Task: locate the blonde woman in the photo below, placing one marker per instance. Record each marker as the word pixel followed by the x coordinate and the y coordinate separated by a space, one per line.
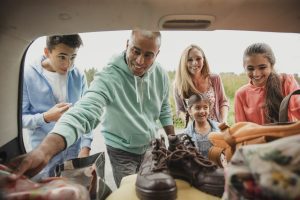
pixel 193 77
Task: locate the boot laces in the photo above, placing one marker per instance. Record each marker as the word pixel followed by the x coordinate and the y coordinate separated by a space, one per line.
pixel 186 149
pixel 160 154
pixel 191 153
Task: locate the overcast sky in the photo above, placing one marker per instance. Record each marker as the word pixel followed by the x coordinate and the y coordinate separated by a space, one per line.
pixel 223 49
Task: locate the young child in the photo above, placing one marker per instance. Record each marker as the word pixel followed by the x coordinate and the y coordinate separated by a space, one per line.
pixel 199 110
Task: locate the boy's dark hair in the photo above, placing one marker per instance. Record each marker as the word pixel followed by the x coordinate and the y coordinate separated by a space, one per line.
pixel 73 41
pixel 191 101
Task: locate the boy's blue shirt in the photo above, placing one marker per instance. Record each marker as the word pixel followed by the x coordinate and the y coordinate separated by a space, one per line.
pixel 38 97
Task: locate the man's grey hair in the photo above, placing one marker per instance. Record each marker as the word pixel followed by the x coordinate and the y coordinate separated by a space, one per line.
pixel 149 34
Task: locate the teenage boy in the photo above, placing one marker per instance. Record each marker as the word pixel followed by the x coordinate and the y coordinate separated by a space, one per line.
pixel 52 84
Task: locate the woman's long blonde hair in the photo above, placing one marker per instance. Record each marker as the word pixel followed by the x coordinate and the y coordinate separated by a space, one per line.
pixel 183 79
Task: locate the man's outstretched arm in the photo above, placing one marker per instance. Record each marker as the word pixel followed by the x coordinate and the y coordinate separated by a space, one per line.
pixel 33 162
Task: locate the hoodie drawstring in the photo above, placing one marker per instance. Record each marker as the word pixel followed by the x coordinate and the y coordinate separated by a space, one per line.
pixel 136 90
pixel 148 90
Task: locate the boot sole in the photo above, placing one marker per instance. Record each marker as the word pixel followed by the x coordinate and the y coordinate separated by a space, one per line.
pixel 144 194
pixel 215 190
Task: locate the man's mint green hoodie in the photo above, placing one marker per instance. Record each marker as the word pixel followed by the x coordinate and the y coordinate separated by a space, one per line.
pixel 129 107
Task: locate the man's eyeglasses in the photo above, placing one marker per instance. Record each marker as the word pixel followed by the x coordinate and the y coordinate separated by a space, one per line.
pixel 137 52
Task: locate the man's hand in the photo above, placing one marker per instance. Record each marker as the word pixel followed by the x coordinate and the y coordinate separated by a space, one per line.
pixel 54 113
pixel 33 162
pixel 29 164
pixel 84 152
pixel 169 130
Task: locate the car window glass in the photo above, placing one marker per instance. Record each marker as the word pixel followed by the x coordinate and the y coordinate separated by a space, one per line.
pixel 223 49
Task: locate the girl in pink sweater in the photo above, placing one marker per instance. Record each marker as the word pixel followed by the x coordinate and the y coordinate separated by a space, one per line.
pixel 259 100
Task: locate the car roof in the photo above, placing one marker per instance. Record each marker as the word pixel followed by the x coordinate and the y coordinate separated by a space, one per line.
pixel 23 21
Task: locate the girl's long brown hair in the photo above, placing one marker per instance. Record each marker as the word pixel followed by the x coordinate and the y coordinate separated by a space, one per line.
pixel 274 93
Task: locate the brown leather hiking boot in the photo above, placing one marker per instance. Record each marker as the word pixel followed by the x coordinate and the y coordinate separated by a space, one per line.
pixel 185 162
pixel 153 179
pixel 180 141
